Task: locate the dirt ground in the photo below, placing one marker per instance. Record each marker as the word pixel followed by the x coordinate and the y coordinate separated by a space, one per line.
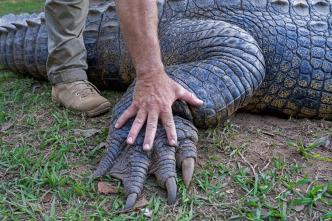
pixel 245 147
pixel 260 141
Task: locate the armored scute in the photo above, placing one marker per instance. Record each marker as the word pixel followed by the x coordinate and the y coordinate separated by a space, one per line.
pixel 267 56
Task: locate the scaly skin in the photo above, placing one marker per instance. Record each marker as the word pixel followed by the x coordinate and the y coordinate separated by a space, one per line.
pixel 219 103
pixel 270 56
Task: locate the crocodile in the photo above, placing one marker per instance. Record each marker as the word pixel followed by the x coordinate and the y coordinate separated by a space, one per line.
pixel 262 56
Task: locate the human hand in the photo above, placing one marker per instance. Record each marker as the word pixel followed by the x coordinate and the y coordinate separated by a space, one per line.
pixel 153 97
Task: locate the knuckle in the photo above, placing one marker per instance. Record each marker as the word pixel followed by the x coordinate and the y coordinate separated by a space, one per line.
pixel 189 95
pixel 165 106
pixel 169 123
pixel 135 104
pixel 138 121
pixel 153 106
pixel 167 111
pixel 153 118
pixel 152 125
pixel 127 113
pixel 181 92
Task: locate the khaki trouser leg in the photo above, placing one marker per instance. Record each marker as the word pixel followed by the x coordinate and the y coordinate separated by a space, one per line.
pixel 65 21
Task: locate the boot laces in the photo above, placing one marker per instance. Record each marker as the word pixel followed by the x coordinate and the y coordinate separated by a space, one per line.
pixel 86 88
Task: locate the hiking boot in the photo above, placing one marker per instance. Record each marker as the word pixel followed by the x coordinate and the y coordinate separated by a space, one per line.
pixel 81 96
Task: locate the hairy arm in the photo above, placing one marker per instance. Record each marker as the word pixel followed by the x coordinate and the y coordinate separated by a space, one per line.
pixel 154 91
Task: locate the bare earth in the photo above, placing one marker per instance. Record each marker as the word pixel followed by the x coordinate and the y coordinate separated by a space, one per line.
pixel 262 140
pixel 231 157
pixel 237 161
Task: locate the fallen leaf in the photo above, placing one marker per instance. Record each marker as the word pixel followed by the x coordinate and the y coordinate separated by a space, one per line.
pixel 9 102
pixel 6 127
pixel 87 133
pixel 106 188
pixel 141 203
pixel 73 150
pixel 91 132
pixel 47 198
pixel 298 208
pixel 90 147
pixel 76 132
pixel 36 207
pixel 38 117
pixel 18 145
pixel 230 191
pixel 101 145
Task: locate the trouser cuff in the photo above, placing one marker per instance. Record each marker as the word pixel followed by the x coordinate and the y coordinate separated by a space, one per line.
pixel 67 76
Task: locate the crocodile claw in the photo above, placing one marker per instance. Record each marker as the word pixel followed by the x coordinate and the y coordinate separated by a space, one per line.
pixel 171 190
pixel 131 199
pixel 132 164
pixel 188 166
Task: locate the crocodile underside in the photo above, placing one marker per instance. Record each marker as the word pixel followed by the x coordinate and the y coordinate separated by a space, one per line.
pixel 268 56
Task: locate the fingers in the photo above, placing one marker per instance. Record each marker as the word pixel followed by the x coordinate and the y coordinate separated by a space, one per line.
pixel 189 97
pixel 168 122
pixel 151 128
pixel 129 113
pixel 137 126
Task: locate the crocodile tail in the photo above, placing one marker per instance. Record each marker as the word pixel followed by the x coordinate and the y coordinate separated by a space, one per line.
pixel 24 47
pixel 30 48
pixel 3 37
pixel 18 46
pixel 41 51
pixel 221 63
pixel 16 32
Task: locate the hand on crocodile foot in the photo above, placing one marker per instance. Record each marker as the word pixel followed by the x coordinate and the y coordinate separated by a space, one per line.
pixel 132 163
pixel 152 99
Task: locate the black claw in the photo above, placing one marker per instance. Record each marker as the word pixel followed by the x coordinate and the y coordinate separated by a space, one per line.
pixel 171 190
pixel 131 199
pixel 91 176
pixel 188 166
pixel 95 174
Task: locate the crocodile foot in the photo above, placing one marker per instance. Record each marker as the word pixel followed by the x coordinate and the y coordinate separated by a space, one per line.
pixel 131 164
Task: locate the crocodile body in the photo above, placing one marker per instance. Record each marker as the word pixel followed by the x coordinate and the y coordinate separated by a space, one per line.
pixel 268 56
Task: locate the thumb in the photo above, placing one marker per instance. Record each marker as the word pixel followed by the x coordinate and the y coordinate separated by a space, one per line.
pixel 189 97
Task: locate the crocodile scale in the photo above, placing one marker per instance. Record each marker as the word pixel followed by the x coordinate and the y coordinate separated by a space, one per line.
pixel 263 56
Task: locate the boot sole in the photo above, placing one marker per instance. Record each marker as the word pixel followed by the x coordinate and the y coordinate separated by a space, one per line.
pixel 104 107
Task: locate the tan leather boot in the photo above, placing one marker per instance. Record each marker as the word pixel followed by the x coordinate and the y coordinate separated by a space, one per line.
pixel 81 96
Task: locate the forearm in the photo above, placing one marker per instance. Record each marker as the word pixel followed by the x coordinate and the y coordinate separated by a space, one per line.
pixel 139 26
pixel 154 95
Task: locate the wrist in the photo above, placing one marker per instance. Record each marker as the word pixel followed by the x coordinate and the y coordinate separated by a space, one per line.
pixel 147 69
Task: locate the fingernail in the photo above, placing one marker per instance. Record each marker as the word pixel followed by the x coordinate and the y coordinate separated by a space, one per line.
pixel 116 125
pixel 173 143
pixel 200 101
pixel 146 147
pixel 130 140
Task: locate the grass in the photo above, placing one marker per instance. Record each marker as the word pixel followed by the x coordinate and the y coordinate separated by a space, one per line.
pixel 44 163
pixel 21 6
pixel 244 171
